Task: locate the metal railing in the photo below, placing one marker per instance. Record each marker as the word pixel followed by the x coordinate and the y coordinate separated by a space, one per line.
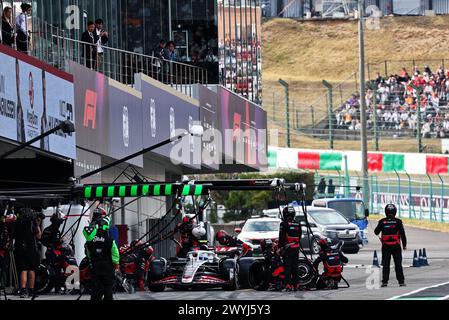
pixel 424 197
pixel 50 45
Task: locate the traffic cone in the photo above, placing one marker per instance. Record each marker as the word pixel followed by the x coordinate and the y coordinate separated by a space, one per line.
pixel 421 262
pixel 375 260
pixel 424 261
pixel 416 262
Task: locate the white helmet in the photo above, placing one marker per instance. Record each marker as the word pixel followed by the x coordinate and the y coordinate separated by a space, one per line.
pixel 199 232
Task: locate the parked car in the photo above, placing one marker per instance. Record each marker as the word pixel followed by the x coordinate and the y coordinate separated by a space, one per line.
pixel 257 229
pixel 331 224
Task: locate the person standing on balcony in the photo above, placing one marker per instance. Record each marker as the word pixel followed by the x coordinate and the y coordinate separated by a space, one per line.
pixel 170 52
pixel 102 39
pixel 7 27
pixel 22 28
pixel 89 48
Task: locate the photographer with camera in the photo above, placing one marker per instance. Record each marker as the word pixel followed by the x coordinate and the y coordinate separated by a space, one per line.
pixel 27 232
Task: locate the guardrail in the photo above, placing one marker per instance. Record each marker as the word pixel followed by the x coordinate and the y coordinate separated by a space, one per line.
pixel 50 44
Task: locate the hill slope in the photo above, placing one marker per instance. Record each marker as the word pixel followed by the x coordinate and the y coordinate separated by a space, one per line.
pixel 306 52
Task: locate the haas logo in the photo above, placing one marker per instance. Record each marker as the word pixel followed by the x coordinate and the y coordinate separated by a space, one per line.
pixel 90 109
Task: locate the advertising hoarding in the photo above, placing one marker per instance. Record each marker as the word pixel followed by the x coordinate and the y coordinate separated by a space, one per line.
pixel 242 125
pixel 8 97
pixel 210 117
pixel 125 122
pixel 166 113
pixel 28 109
pixel 59 106
pixel 91 109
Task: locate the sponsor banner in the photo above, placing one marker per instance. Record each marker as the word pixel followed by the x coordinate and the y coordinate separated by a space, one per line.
pixel 30 102
pixel 59 106
pixel 35 98
pixel 167 113
pixel 246 143
pixel 125 122
pixel 210 117
pixel 91 109
pixel 416 206
pixel 8 97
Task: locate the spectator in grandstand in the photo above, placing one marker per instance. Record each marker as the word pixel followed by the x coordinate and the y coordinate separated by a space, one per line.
pixel 7 27
pixel 22 28
pixel 426 130
pixel 89 50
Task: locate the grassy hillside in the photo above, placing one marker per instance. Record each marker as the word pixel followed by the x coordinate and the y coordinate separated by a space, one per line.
pixel 305 53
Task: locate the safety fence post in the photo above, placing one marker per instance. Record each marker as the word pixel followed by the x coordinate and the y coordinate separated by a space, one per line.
pixel 442 199
pixel 410 200
pixel 431 197
pixel 287 110
pixel 399 192
pixel 371 208
pixel 347 180
pixel 330 113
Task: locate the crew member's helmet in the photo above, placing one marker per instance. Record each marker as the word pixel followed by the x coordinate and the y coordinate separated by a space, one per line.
pixel 56 219
pixel 391 210
pixel 222 237
pixel 325 243
pixel 98 214
pixel 288 213
pixel 199 232
pixel 149 251
pixel 135 244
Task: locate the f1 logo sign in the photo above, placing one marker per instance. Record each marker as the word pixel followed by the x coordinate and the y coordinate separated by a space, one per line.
pixel 90 109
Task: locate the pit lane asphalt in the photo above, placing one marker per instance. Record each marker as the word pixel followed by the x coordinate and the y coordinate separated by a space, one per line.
pixel 437 247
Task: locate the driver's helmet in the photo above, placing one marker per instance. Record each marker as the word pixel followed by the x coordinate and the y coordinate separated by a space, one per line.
pixel 288 213
pixel 222 237
pixel 199 232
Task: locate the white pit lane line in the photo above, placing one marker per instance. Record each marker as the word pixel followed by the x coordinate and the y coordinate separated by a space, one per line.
pixel 419 290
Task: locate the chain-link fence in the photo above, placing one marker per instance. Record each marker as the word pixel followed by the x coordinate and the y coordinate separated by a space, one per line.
pixel 422 197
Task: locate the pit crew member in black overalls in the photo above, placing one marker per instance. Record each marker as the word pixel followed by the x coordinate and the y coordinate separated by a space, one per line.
pixel 393 234
pixel 289 241
pixel 332 263
pixel 188 241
